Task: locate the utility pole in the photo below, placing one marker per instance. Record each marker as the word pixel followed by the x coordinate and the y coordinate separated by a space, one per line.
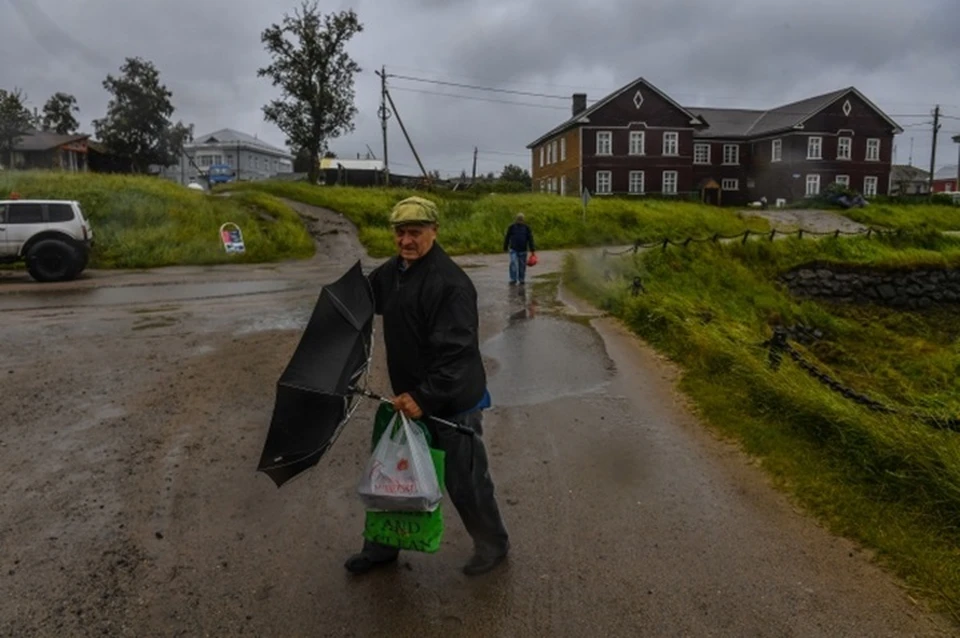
pixel 474 178
pixel 404 129
pixel 933 151
pixel 384 114
pixel 910 161
pixel 956 139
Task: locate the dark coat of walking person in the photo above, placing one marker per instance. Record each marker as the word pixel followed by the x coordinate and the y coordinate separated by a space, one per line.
pixel 431 332
pixel 518 239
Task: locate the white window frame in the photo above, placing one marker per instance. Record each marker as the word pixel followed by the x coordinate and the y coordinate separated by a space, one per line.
pixel 697 159
pixel 814 145
pixel 563 182
pixel 727 148
pixel 638 143
pixel 605 178
pixel 730 184
pixel 663 184
pixel 870 191
pixel 873 144
pixel 843 180
pixel 542 153
pixel 815 180
pixel 604 141
pixel 776 150
pixel 671 143
pixel 636 176
pixel 556 155
pixel 844 143
pixel 563 149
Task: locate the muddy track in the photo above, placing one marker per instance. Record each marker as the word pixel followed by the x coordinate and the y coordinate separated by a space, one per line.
pixel 132 507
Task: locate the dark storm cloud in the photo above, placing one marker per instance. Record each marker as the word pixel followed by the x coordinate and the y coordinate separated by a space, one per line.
pixel 751 53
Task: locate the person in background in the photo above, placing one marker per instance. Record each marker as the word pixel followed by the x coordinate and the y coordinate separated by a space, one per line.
pixel 431 331
pixel 519 237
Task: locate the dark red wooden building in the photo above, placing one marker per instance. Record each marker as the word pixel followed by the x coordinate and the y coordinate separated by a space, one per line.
pixel 639 141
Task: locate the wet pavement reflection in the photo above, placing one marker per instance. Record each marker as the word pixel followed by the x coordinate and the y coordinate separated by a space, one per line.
pixel 541 356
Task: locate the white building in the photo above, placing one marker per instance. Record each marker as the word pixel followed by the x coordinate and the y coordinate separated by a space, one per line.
pixel 249 157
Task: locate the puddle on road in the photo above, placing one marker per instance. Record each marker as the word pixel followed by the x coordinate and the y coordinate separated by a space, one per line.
pixel 122 295
pixel 542 358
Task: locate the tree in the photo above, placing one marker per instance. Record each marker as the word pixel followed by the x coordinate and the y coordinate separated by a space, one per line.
pixel 15 121
pixel 137 125
pixel 329 155
pixel 513 173
pixel 315 75
pixel 58 114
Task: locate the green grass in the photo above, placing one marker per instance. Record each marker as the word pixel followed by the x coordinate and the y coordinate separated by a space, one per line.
pixel 146 222
pixel 892 483
pixel 908 216
pixel 471 224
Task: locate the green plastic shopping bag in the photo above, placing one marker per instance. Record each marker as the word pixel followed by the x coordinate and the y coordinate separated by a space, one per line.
pixel 416 531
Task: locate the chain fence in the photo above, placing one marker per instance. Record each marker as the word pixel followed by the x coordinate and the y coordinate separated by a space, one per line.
pixel 779 343
pixel 745 236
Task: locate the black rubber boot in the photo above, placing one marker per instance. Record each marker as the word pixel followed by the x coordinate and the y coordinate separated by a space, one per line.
pixel 362 563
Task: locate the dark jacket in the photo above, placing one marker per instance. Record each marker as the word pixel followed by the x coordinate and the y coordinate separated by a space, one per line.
pixel 518 237
pixel 431 326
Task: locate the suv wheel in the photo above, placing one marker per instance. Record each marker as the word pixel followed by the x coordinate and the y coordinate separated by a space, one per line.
pixel 52 260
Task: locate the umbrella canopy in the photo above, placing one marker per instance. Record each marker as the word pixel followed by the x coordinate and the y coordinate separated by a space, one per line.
pixel 314 397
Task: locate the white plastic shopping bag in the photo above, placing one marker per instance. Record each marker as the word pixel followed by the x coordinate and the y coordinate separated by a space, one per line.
pixel 400 476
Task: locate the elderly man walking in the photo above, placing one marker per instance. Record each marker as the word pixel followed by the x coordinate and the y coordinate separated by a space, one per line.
pixel 519 237
pixel 431 326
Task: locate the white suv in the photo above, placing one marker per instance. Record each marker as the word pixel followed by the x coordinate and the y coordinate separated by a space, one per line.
pixel 52 236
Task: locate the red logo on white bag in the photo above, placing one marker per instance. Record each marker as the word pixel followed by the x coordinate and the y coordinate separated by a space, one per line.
pixel 402 465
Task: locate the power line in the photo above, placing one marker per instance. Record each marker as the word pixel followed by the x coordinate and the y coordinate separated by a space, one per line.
pixel 482 152
pixel 480 88
pixel 480 99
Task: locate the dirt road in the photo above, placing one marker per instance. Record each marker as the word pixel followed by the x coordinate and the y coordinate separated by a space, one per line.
pixel 134 408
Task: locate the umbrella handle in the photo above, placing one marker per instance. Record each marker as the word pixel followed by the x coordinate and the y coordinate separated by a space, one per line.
pixel 371 395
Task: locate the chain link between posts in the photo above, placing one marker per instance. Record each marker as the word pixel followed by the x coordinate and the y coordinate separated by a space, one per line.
pixel 779 344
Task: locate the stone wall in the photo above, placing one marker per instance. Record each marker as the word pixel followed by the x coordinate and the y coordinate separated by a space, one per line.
pixel 912 289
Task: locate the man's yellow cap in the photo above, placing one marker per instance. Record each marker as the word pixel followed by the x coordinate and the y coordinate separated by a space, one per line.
pixel 414 210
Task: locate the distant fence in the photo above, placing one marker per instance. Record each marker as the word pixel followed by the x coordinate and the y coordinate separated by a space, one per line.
pixel 745 236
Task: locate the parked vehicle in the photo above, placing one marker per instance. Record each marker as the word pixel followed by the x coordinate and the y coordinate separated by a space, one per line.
pixel 51 236
pixel 220 174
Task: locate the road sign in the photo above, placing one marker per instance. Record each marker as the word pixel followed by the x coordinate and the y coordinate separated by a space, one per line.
pixel 232 238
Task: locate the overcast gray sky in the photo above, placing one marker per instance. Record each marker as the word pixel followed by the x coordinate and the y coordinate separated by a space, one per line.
pixel 903 54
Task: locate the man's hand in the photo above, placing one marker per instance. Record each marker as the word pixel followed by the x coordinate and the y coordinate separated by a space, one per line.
pixel 405 403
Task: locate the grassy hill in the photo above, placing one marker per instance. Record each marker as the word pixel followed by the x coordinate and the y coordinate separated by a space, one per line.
pixel 144 222
pixel 477 223
pixel 942 217
pixel 890 482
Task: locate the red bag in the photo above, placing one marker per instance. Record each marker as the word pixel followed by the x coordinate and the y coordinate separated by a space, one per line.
pixel 532 259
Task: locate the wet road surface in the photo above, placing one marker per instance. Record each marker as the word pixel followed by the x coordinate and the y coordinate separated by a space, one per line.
pixel 133 424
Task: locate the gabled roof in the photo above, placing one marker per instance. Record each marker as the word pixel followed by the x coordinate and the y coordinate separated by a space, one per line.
pixel 583 118
pixel 902 173
pixel 46 140
pixel 726 122
pixel 753 123
pixel 946 172
pixel 228 136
